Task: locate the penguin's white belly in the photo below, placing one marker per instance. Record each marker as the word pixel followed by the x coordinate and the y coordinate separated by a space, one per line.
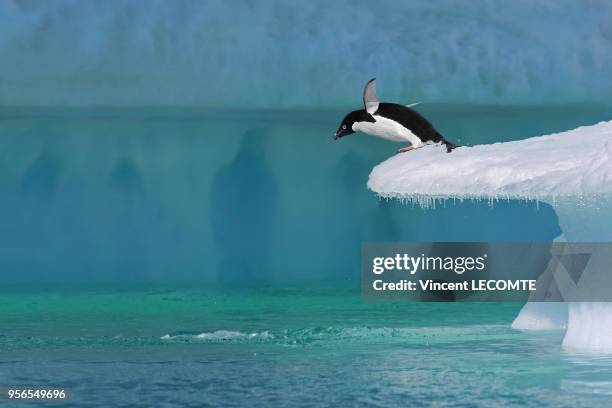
pixel 388 129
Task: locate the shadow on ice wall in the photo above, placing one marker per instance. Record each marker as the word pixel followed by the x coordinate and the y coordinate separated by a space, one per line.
pixel 224 202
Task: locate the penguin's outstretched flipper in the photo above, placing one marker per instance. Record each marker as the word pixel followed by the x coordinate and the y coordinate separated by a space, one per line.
pixel 370 100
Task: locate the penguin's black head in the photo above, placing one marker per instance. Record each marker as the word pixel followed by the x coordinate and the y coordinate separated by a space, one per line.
pixel 346 127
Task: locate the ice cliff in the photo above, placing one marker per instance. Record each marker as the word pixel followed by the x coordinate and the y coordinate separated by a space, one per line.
pixel 577 163
pixel 571 170
pixel 302 54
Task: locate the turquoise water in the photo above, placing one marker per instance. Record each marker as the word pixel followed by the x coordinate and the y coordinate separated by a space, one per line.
pixel 107 216
pixel 143 347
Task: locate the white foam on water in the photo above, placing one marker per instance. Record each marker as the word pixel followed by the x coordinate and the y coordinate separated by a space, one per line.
pixel 219 335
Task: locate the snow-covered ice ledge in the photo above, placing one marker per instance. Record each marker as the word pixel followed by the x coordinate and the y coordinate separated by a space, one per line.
pixel 577 163
pixel 571 170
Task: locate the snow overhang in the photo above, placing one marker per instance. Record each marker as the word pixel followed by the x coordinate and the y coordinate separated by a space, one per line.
pixel 576 163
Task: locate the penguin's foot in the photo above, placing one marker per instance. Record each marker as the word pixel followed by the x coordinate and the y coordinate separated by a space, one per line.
pixel 406 149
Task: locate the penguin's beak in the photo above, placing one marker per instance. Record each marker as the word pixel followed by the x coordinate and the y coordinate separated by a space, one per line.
pixel 336 136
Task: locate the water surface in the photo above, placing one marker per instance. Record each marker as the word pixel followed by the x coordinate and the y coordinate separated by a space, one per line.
pixel 278 347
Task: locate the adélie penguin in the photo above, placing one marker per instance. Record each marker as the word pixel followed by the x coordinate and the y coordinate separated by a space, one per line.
pixel 391 121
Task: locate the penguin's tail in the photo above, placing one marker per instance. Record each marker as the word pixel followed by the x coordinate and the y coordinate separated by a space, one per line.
pixel 449 146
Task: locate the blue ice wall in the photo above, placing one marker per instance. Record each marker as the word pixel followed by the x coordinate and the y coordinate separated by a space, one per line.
pixel 233 198
pixel 283 54
pixel 208 156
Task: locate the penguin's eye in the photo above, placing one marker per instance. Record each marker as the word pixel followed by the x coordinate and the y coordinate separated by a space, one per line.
pixel 343 126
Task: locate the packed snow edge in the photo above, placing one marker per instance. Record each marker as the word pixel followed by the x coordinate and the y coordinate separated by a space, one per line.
pixel 575 163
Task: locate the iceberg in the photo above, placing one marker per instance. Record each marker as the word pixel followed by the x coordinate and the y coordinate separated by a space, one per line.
pixel 572 171
pixel 158 53
pixel 569 164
